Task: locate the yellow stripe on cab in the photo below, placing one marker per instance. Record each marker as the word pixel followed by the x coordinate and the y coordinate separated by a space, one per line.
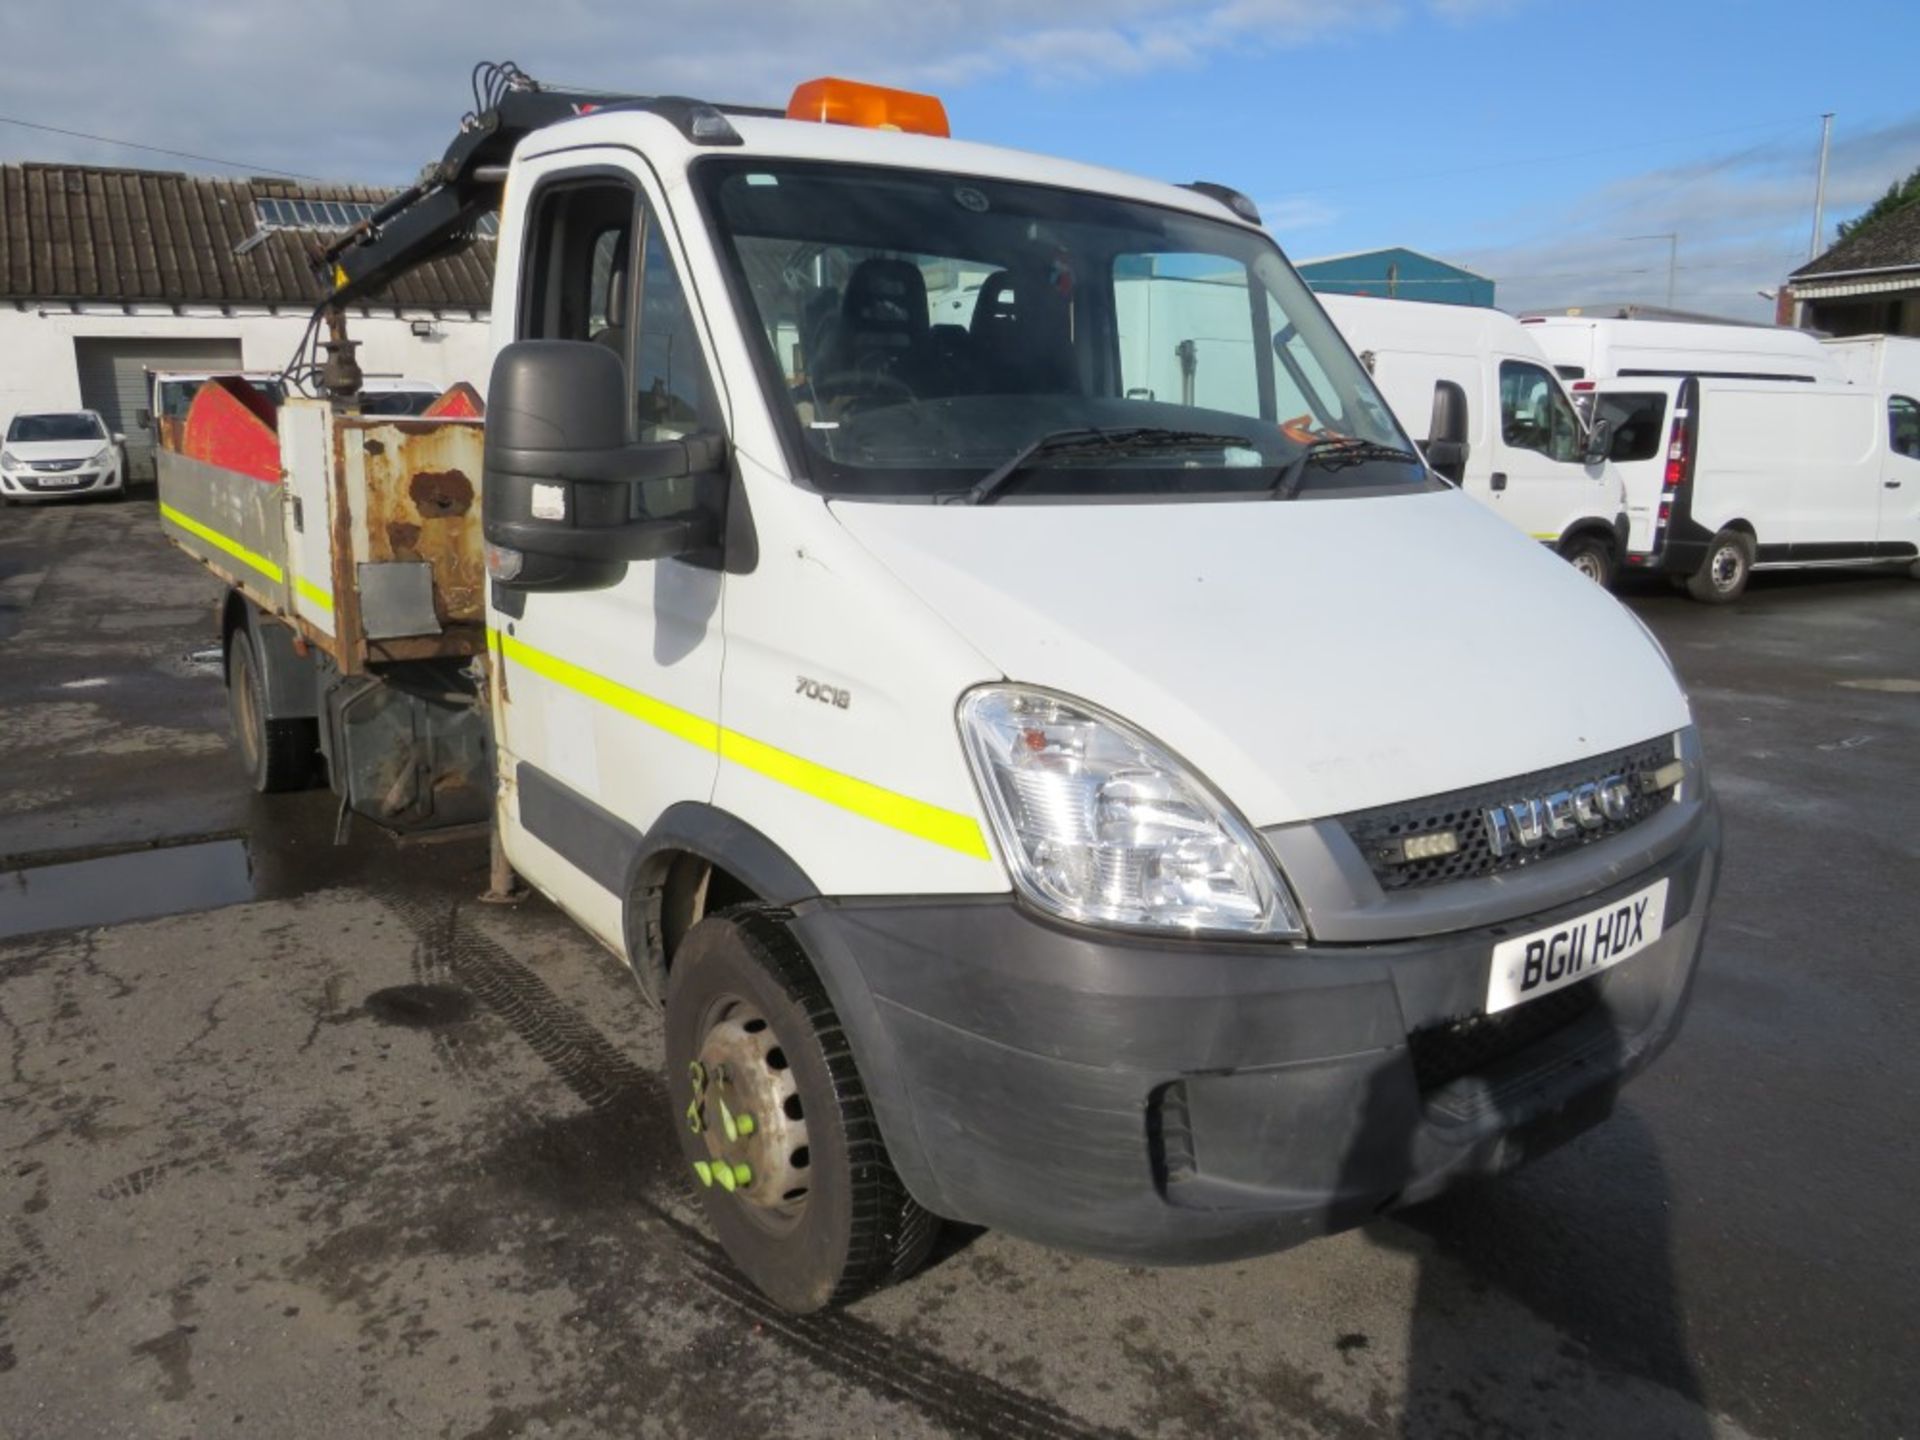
pixel 947 828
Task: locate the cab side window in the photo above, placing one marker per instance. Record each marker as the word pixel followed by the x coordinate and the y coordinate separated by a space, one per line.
pixel 577 264
pixel 599 270
pixel 1903 424
pixel 1535 414
pixel 673 390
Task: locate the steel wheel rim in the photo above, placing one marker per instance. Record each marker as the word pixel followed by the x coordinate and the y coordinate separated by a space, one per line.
pixel 1727 565
pixel 747 1110
pixel 1588 564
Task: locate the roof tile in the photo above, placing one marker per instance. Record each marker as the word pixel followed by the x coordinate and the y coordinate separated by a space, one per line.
pixel 71 232
pixel 1888 243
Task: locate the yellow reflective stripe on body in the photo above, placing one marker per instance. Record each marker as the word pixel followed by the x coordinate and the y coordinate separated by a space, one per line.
pixel 220 542
pixel 1547 539
pixel 657 713
pixel 898 812
pixel 914 817
pixel 313 594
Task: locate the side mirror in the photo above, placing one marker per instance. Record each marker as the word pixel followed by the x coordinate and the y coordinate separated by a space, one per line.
pixel 1599 441
pixel 118 438
pixel 568 501
pixel 1446 448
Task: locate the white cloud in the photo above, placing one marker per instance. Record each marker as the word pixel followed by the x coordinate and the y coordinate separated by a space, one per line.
pixel 1743 219
pixel 368 90
pixel 1292 213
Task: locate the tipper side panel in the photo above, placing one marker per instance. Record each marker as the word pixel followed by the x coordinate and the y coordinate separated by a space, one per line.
pixel 230 519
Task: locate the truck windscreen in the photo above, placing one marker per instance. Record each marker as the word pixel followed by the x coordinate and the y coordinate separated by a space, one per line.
pixel 922 328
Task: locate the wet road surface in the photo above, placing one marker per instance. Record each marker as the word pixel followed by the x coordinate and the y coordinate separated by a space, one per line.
pixel 327 1147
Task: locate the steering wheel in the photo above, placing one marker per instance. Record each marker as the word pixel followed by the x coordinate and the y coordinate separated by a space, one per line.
pixel 856 390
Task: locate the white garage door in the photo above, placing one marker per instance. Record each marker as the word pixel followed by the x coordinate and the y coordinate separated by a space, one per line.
pixel 113 380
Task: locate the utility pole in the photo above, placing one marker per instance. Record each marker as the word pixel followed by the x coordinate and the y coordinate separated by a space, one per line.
pixel 1820 187
pixel 1673 257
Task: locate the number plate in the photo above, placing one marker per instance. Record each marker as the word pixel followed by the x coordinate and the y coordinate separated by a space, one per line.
pixel 1528 966
pixel 53 482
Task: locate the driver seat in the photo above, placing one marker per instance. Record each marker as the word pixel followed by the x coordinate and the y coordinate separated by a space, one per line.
pixel 883 327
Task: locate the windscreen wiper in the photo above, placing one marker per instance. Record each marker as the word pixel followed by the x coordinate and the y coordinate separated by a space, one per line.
pixel 1134 440
pixel 1331 452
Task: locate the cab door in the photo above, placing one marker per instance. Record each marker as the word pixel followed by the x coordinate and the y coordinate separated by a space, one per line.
pixel 1900 478
pixel 1539 480
pixel 608 698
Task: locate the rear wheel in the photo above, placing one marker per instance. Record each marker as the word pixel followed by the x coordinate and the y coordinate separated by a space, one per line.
pixel 774 1119
pixel 1723 575
pixel 278 754
pixel 1592 557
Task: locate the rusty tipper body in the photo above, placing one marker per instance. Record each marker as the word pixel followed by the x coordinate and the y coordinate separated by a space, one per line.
pixel 361 536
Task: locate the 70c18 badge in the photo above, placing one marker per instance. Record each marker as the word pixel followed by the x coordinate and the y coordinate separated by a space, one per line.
pixel 819 690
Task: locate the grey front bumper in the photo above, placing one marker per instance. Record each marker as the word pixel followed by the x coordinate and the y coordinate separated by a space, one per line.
pixel 1166 1102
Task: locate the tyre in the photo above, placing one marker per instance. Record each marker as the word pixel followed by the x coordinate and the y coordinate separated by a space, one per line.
pixel 1592 557
pixel 774 1120
pixel 1723 575
pixel 278 754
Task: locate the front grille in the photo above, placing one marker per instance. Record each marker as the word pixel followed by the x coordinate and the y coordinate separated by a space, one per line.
pixel 1443 1053
pixel 1378 832
pixel 56 467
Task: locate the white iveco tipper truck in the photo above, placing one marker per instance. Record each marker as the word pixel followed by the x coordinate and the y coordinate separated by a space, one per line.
pixel 1168 826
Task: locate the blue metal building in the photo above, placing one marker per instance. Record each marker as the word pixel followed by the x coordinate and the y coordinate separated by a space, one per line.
pixel 1398 272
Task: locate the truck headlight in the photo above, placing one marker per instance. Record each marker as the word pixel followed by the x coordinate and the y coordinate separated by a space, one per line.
pixel 1099 823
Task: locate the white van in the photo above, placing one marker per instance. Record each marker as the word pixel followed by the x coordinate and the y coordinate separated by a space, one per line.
pixel 1887 363
pixel 1491 416
pixel 1725 477
pixel 1587 348
pixel 1165 829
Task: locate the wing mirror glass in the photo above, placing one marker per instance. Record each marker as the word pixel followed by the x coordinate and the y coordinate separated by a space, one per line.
pixel 1446 448
pixel 1599 441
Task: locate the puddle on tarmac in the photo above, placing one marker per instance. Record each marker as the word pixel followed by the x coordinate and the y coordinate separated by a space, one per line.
pixel 133 885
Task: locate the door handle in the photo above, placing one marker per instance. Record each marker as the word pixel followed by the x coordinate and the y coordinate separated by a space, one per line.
pixel 1893 484
pixel 1499 479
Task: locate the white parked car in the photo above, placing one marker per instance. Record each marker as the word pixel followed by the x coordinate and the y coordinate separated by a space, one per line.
pixel 396 395
pixel 60 453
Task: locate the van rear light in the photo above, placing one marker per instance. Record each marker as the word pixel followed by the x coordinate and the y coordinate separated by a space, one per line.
pixel 1676 453
pixel 1583 385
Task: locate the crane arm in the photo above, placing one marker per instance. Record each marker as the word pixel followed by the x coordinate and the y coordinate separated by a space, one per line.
pixel 439 212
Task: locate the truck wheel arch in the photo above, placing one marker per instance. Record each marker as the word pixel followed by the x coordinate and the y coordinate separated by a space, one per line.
pixel 696 859
pixel 1589 535
pixel 290 679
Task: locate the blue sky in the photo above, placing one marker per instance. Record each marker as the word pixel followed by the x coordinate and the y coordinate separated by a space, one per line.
pixel 1527 138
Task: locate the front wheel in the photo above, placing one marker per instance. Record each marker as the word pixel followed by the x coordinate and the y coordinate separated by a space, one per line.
pixel 774 1119
pixel 1592 558
pixel 1723 575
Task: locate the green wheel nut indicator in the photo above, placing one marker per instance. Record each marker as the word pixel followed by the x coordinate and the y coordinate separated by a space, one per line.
pixel 704 1171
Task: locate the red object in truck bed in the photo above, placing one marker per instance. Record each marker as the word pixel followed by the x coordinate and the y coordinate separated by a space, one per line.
pixel 232 425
